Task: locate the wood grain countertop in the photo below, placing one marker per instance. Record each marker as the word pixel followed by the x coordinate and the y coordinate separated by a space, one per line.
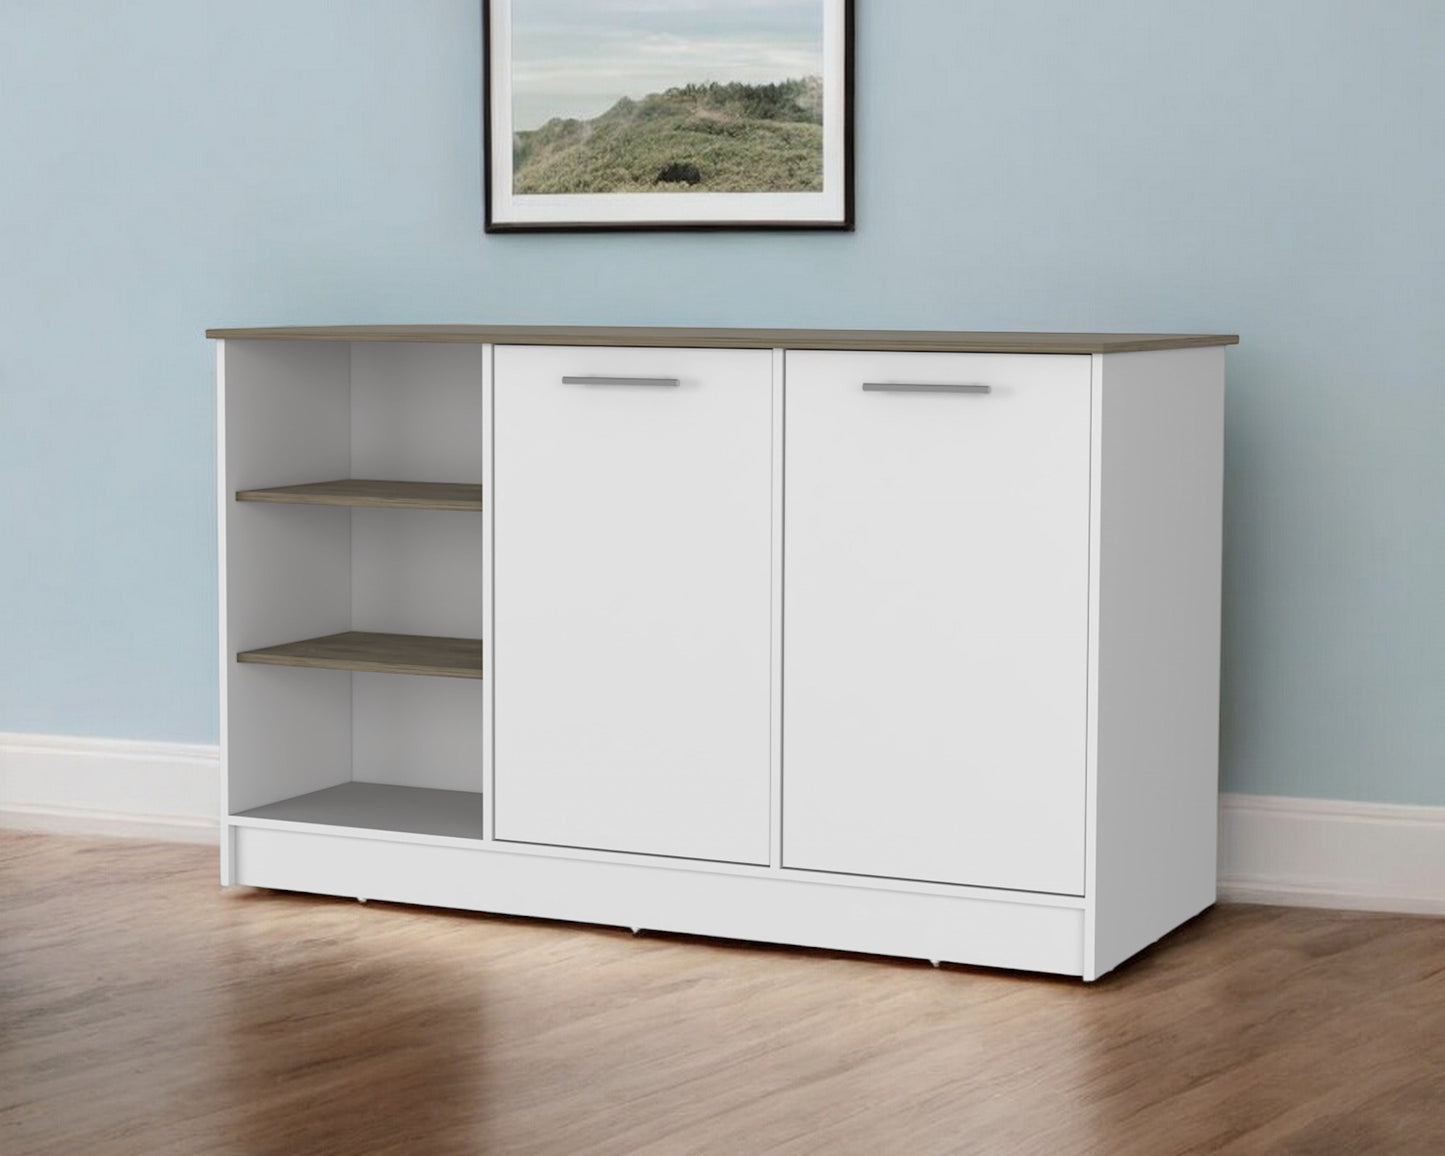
pixel 889 340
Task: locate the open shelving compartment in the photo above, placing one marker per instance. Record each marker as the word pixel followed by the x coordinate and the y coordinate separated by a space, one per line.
pixel 353 555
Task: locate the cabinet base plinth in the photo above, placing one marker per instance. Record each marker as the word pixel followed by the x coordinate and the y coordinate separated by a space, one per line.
pixel 772 908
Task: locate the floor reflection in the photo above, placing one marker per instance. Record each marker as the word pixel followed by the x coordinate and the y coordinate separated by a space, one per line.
pixel 329 1047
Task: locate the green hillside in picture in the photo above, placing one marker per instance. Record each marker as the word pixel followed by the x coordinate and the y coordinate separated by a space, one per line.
pixel 716 138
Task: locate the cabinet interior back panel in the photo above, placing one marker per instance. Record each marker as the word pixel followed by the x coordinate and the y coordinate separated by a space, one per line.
pixel 416 571
pixel 416 412
pixel 935 626
pixel 416 415
pixel 416 732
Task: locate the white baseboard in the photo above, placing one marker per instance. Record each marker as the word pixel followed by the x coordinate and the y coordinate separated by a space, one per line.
pixel 84 786
pixel 1295 852
pixel 1328 853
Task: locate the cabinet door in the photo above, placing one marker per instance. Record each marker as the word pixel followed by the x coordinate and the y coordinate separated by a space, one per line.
pixel 631 650
pixel 936 564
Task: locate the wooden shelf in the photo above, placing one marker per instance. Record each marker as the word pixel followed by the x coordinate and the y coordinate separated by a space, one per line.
pixel 381 807
pixel 371 492
pixel 384 653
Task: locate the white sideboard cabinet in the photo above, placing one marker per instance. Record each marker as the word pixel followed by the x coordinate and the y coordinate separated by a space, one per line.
pixel 892 642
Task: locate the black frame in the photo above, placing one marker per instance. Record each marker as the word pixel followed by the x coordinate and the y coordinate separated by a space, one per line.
pixel 847 224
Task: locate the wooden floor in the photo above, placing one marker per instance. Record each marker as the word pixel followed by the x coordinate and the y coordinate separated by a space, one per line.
pixel 144 1010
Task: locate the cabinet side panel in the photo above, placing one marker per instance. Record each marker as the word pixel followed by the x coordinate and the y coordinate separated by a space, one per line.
pixel 286 410
pixel 1156 721
pixel 223 633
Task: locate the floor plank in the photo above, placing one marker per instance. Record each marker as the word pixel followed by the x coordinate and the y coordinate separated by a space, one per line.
pixel 145 1010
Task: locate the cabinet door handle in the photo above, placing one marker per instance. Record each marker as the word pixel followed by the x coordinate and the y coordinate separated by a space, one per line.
pixel 620 381
pixel 920 387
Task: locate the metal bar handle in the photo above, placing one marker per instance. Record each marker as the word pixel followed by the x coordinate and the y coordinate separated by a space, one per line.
pixel 671 381
pixel 920 387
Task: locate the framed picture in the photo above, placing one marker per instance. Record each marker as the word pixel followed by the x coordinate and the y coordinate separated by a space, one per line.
pixel 668 114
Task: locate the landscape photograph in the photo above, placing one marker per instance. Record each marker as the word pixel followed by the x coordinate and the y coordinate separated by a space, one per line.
pixel 667 96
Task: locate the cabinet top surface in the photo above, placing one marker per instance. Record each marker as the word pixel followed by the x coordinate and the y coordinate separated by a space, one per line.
pixel 892 340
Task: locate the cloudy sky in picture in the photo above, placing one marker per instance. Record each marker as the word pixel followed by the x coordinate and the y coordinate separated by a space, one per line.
pixel 577 58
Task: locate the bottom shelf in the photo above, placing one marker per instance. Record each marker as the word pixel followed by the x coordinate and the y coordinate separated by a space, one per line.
pixel 382 807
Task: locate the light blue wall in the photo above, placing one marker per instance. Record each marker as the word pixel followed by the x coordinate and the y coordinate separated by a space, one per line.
pixel 1270 167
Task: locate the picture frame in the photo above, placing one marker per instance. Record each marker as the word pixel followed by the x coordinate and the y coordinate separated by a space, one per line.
pixel 611 115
